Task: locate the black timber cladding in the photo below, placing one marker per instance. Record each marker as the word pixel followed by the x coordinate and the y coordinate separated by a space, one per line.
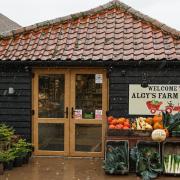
pixel 121 77
pixel 15 110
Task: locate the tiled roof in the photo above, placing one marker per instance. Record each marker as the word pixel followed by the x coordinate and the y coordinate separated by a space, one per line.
pixel 113 31
pixel 7 24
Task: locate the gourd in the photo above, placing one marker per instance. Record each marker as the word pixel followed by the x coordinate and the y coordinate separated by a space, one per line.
pixel 158 135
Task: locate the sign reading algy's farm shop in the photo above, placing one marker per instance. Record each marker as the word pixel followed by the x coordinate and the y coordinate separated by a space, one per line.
pixel 153 99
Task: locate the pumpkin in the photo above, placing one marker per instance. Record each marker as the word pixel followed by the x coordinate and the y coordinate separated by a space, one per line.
pixel 157 118
pixel 158 135
pixel 158 125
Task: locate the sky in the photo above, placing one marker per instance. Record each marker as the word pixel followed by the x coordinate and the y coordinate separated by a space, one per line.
pixel 28 12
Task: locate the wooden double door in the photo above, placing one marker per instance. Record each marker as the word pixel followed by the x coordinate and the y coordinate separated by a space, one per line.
pixel 69 111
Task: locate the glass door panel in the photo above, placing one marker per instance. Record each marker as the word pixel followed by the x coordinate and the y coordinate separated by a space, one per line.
pixel 51 96
pixel 88 137
pixel 51 136
pixel 88 111
pixel 51 118
pixel 88 96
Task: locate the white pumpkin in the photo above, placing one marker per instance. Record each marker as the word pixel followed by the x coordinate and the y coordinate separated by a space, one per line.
pixel 158 135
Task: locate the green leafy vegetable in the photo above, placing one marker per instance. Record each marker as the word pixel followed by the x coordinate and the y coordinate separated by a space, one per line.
pixel 116 159
pixel 148 164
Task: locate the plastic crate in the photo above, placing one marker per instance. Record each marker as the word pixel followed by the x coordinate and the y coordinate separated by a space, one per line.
pixel 114 144
pixel 170 147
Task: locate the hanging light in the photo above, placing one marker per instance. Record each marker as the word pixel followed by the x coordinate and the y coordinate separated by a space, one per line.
pixel 144 83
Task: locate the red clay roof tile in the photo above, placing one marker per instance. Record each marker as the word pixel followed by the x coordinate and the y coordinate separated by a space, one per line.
pixel 113 31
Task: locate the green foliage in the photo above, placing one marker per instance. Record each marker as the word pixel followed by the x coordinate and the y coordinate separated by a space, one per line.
pixel 21 148
pixel 6 132
pixel 171 122
pixel 148 164
pixel 116 159
pixel 6 156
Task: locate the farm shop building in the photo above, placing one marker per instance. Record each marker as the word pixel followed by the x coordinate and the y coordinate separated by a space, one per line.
pixel 59 78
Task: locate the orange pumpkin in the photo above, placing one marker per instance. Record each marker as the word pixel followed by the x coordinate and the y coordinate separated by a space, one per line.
pixel 157 118
pixel 158 125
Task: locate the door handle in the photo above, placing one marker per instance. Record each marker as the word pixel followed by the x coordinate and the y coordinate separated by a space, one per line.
pixel 66 112
pixel 72 112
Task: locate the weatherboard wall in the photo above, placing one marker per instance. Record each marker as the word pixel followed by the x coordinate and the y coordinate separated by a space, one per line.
pixel 121 77
pixel 15 110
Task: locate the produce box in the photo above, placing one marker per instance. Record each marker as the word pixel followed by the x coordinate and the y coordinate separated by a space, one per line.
pixel 153 145
pixel 171 158
pixel 129 132
pixel 116 157
pixel 128 127
pixel 146 159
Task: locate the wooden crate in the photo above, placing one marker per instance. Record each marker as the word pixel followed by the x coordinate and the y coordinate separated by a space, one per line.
pixel 142 144
pixel 117 143
pixel 129 132
pixel 170 147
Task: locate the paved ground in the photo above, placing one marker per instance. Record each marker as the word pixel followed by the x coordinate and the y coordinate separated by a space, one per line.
pixel 46 168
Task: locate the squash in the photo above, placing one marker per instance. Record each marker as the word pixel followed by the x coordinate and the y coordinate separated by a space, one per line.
pixel 158 135
pixel 158 125
pixel 157 118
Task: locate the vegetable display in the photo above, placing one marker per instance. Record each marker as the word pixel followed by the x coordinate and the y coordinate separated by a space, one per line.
pixel 148 163
pixel 141 124
pixel 172 163
pixel 116 161
pixel 172 123
pixel 118 123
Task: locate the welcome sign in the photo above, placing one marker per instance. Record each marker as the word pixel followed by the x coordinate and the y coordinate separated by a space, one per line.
pixel 153 99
